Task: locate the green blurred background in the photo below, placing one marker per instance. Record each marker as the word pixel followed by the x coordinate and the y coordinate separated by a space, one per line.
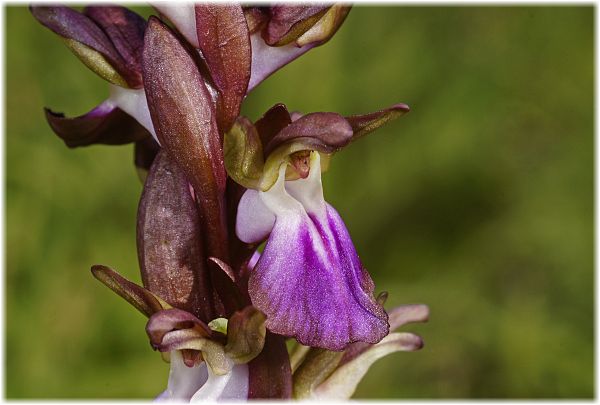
pixel 479 203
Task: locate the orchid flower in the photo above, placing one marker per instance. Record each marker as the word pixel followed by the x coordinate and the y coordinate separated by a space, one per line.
pixel 216 186
pixel 208 361
pixel 309 280
pixel 277 34
pixel 109 40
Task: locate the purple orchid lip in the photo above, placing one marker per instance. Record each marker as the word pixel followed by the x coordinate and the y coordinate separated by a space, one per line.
pixel 309 280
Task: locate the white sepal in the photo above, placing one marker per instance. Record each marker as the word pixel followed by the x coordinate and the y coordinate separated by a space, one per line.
pixel 230 386
pixel 134 103
pixel 183 15
pixel 184 381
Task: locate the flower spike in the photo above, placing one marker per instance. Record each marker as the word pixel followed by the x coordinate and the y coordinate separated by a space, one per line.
pixel 217 186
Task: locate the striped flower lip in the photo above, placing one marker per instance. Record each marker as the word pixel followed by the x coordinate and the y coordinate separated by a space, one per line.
pixel 309 280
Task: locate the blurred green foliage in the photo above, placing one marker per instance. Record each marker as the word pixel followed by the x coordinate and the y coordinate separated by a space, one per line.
pixel 479 203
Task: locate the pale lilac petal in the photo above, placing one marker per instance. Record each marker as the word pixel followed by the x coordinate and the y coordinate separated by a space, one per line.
pixel 404 314
pixel 309 280
pixel 227 387
pixel 254 259
pixel 184 381
pixel 343 381
pixel 267 59
pixel 296 115
pixel 162 397
pixel 183 16
pixel 254 220
pixel 133 102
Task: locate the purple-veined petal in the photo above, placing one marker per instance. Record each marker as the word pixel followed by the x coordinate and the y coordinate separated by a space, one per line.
pixel 224 41
pixel 228 387
pixel 254 219
pixel 366 123
pixel 169 240
pixel 183 115
pixel 288 22
pixel 309 280
pixel 184 381
pixel 270 372
pixel 105 124
pixel 125 30
pixel 343 381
